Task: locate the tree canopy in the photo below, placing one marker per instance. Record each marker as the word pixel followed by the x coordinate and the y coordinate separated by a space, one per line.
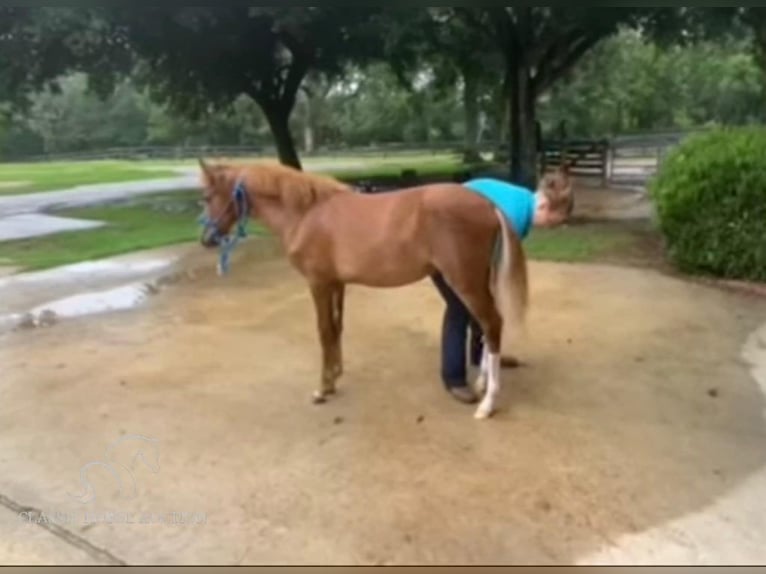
pixel 364 75
pixel 201 58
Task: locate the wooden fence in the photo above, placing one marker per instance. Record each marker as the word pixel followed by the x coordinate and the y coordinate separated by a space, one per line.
pixel 170 153
pixel 585 158
pixel 630 159
pixel 625 159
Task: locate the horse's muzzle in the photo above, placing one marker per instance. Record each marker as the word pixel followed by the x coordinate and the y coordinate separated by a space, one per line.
pixel 210 239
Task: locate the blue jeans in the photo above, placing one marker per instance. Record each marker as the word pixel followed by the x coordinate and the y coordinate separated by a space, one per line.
pixel 457 321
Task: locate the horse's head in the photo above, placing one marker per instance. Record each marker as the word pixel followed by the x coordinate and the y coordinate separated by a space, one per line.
pixel 223 204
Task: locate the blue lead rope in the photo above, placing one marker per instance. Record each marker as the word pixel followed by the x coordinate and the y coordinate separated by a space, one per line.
pixel 229 243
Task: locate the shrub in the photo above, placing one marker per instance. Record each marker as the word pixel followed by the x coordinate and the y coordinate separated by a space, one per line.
pixel 710 198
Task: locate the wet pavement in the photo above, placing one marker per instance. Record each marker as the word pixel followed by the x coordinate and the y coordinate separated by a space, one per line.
pixel 82 289
pixel 89 195
pixel 98 194
pixel 634 435
pixel 36 225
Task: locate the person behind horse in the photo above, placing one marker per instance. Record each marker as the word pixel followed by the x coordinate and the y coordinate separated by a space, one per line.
pixel 549 207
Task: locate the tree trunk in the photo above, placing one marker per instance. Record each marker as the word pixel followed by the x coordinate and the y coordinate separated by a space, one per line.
pixel 523 127
pixel 513 128
pixel 502 134
pixel 308 128
pixel 471 109
pixel 278 117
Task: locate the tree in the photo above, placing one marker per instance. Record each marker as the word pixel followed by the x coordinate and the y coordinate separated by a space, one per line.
pixel 539 46
pixel 70 118
pixel 38 45
pixel 371 106
pixel 631 83
pixel 202 58
pixel 458 55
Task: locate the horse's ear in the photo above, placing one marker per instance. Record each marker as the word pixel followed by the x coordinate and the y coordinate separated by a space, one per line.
pixel 209 172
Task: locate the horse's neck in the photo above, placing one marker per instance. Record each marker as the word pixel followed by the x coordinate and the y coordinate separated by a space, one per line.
pixel 280 220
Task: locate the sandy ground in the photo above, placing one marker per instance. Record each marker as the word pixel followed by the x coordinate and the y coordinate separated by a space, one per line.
pixel 634 435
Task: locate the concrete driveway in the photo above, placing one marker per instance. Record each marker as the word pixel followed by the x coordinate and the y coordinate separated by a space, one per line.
pixel 635 435
pixel 87 195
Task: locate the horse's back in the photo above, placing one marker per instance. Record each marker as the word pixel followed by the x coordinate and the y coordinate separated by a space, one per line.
pixel 391 239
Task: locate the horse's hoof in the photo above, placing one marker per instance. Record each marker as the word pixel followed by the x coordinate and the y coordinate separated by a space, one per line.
pixel 319 398
pixel 483 413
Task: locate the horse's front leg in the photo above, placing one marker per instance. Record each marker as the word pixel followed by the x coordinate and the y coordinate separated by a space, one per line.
pixel 323 302
pixel 339 295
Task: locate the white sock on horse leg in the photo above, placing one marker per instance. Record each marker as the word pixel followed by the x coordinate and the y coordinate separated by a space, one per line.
pixel 481 380
pixel 487 407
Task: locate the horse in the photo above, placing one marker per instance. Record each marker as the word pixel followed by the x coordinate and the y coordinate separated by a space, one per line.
pixel 335 236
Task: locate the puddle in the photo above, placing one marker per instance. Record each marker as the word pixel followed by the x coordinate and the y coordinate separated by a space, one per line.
pixel 37 225
pixel 106 268
pixel 88 287
pixel 122 298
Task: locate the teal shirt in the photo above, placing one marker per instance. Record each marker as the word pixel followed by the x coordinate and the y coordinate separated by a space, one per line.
pixel 517 203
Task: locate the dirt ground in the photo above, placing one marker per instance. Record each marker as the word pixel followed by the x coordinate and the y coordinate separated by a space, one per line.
pixel 636 419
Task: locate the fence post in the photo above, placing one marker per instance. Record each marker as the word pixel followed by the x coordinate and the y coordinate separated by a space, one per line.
pixel 610 160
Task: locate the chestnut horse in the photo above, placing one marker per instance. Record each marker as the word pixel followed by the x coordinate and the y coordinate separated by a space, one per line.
pixel 335 236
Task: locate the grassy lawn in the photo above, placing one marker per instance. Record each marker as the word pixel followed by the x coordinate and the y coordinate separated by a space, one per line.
pixel 146 223
pixel 39 177
pixel 612 242
pixel 170 218
pixel 30 178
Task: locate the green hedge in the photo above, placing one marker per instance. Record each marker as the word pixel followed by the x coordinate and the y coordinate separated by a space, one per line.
pixel 710 197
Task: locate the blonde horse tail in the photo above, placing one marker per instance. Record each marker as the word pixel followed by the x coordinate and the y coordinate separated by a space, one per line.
pixel 511 291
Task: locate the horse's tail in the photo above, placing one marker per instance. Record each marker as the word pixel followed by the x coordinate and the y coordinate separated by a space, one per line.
pixel 510 280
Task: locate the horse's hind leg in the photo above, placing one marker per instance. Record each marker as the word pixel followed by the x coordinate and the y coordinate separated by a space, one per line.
pixel 324 299
pixel 481 381
pixel 477 297
pixel 489 376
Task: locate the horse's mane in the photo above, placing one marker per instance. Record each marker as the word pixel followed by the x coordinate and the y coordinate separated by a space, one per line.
pixel 295 189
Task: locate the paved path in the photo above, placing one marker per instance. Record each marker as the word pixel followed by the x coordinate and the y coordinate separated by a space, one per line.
pixel 92 287
pixel 26 225
pixel 634 435
pixel 188 178
pixel 90 195
pixel 18 217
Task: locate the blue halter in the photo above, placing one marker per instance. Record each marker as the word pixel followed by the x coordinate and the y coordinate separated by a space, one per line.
pixel 228 243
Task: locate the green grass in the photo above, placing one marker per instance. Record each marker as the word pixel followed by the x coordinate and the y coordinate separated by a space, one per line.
pixel 146 223
pixel 30 178
pixel 40 177
pixel 170 218
pixel 619 242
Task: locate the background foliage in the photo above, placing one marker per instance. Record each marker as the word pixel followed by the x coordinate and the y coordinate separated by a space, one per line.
pixel 626 84
pixel 711 204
